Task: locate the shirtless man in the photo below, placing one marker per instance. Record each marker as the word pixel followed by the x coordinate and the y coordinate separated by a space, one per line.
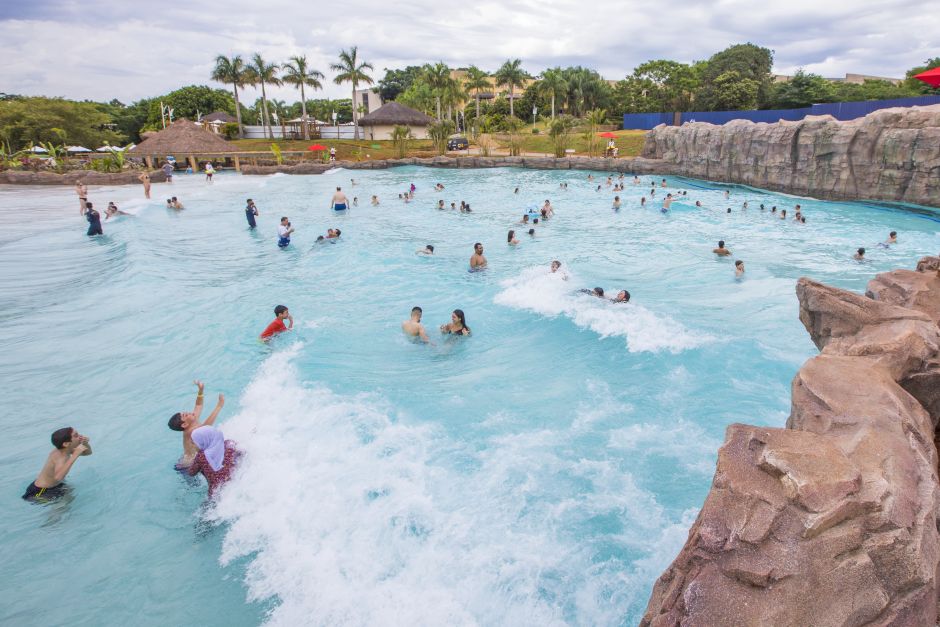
pixel 892 238
pixel 187 422
pixel 145 179
pixel 477 260
pixel 738 268
pixel 339 202
pixel 69 446
pixel 413 326
pixel 82 192
pixel 427 250
pixel 721 251
pixel 667 202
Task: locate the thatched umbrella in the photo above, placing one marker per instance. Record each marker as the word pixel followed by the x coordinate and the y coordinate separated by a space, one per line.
pixel 182 138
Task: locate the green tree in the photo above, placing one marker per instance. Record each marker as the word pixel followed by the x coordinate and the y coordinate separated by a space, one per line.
pixel 437 77
pixel 420 96
pixel 802 90
pixel 743 62
pixel 352 71
pixel 476 80
pixel 870 90
pixel 586 90
pixel 511 75
pixel 559 130
pixel 298 74
pixel 264 73
pixel 396 82
pixel 190 102
pixel 552 85
pixel 232 71
pixel 594 119
pixel 29 121
pixel 401 138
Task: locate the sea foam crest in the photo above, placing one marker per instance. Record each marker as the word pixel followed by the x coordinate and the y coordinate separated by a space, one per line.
pixel 550 294
pixel 349 516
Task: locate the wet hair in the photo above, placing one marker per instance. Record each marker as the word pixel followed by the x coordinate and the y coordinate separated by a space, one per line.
pixel 338 188
pixel 531 231
pixel 509 236
pixel 783 212
pixel 861 251
pixel 338 232
pixel 535 221
pixel 279 310
pixel 462 318
pixel 175 423
pixel 893 234
pixel 626 296
pixel 773 209
pixel 320 238
pixel 599 291
pixel 738 263
pixel 554 261
pixel 429 247
pixel 616 197
pixel 284 218
pixel 721 243
pixel 61 437
pixel 477 245
pixel 417 309
pixel 88 204
pixel 803 219
pixel 525 217
pixel 729 209
pixel 249 200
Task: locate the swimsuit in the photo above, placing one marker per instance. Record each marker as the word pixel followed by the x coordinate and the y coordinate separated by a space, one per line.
pixel 283 242
pixel 339 206
pixel 94 223
pixel 41 495
pixel 250 215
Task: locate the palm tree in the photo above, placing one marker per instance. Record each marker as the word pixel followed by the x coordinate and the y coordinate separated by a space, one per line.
pixel 511 74
pixel 235 72
pixel 476 80
pixel 552 83
pixel 351 71
pixel 594 118
pixel 437 77
pixel 265 73
pixel 297 73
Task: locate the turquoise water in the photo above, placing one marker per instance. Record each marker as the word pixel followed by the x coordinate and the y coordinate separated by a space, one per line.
pixel 543 471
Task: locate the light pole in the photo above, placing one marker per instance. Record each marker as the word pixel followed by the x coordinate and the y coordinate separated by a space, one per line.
pixel 336 125
pixel 535 110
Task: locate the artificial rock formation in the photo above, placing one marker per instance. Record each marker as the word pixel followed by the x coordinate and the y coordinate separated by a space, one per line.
pixel 831 521
pixel 89 177
pixel 890 154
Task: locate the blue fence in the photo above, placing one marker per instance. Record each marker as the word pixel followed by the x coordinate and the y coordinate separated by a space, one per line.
pixel 838 110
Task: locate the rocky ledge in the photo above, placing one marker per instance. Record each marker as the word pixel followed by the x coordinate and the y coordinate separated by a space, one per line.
pixel 832 520
pixel 891 155
pixel 89 177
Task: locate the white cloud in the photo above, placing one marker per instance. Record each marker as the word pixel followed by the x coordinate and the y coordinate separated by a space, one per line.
pixel 105 49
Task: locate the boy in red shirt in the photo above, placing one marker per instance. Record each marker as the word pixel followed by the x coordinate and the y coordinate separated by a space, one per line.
pixel 278 326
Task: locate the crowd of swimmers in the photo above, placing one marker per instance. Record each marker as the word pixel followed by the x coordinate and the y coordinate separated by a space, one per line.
pixel 205 449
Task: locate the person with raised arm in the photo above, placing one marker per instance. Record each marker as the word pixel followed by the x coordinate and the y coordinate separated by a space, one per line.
pixel 49 484
pixel 188 421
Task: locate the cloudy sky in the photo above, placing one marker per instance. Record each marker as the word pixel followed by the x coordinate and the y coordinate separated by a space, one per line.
pixel 128 50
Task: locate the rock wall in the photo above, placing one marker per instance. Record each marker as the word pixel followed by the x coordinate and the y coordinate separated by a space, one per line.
pixel 90 177
pixel 891 155
pixel 831 521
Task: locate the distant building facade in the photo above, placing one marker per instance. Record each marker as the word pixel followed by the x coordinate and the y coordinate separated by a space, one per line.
pixel 854 79
pixel 368 99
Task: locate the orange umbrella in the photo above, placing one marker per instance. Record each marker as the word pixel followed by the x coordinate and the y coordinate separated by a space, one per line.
pixel 609 135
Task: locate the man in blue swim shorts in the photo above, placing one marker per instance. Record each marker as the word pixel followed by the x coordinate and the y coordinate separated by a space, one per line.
pixel 339 203
pixel 283 233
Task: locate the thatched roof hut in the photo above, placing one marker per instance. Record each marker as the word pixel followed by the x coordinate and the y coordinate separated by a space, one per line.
pixel 219 116
pixel 392 113
pixel 180 139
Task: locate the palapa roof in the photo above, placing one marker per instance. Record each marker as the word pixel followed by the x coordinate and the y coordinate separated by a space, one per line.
pixel 394 113
pixel 183 137
pixel 219 116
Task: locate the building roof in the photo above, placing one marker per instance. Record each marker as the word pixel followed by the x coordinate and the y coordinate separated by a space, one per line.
pixel 395 113
pixel 183 137
pixel 220 116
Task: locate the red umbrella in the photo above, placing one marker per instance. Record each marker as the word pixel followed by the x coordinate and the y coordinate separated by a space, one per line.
pixel 609 135
pixel 931 77
pixel 317 147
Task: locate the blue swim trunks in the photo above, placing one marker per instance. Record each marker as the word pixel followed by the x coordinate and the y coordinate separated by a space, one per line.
pixel 339 207
pixel 283 242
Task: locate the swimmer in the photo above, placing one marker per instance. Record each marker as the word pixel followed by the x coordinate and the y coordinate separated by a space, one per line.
pixel 783 214
pixel 636 180
pixel 803 220
pixel 721 251
pixel 511 238
pixel 535 220
pixel 590 177
pixel 616 206
pixel 251 212
pixel 412 189
pixel 547 209
pixel 209 171
pixel 532 232
pixel 427 250
pixel 187 422
pixel 339 201
pixel 556 269
pixel 623 296
pixel 466 208
pixel 667 202
pixel 375 201
pixel 698 203
pixel 440 205
pixel 283 233
pixel 598 188
pixel 516 191
pixel 216 458
pixel 859 255
pixel 281 313
pixel 176 203
pixel 729 210
pixel 798 216
pixel 352 182
pixel 892 238
pixel 82 192
pixel 762 207
pixel 597 291
pixel 727 194
pixel 643 201
pixel 168 169
pixel 744 206
pixel 663 184
pixel 68 445
pixel 145 179
pixel 457 325
pixel 439 187
pixel 113 210
pixel 773 209
pixel 453 206
pixel 333 233
pixel 610 181
pixel 169 203
pixel 738 268
pixel 413 327
pixel 355 201
pixel 477 260
pixel 320 239
pixel 94 220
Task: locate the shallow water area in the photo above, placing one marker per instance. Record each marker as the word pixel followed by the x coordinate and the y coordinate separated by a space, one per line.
pixel 542 471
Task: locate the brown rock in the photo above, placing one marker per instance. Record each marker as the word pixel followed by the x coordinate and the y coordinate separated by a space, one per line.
pixel 915 290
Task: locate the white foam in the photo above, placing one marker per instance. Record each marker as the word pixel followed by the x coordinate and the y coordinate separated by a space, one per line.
pixel 350 516
pixel 537 289
pixel 334 171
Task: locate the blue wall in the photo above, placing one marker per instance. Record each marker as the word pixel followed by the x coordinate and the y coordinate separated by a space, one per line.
pixel 839 110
